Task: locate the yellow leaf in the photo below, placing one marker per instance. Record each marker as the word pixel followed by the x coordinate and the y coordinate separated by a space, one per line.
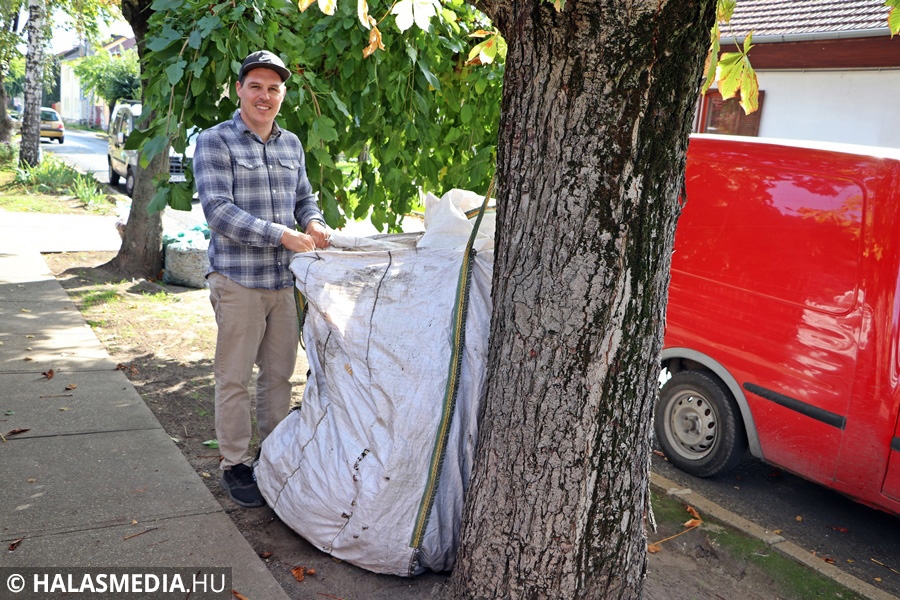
pixel 374 44
pixel 327 6
pixel 362 11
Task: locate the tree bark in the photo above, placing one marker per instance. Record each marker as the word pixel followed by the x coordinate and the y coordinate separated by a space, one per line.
pixel 141 250
pixel 597 108
pixel 30 147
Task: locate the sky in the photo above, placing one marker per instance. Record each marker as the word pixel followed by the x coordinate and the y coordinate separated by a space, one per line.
pixel 65 38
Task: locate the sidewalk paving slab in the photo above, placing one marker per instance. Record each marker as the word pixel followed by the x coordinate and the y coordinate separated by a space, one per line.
pixel 83 480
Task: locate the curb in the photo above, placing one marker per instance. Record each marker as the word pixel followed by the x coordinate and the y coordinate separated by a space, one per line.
pixel 773 540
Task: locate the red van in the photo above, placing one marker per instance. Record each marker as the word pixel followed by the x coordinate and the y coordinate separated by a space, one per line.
pixel 783 322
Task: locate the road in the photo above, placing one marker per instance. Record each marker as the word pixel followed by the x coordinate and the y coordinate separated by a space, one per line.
pixel 86 151
pixel 813 517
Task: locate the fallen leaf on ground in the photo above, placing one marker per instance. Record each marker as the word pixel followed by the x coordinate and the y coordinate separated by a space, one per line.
pixel 660 454
pixel 238 595
pixel 15 544
pixel 653 548
pixel 63 408
pixel 31 480
pixel 211 443
pixel 693 523
pixel 299 573
pixel 777 532
pixel 48 373
pixel 693 512
pixel 310 572
pixel 71 386
pixel 265 554
pixel 829 560
pixel 840 529
pixel 17 431
pixel 25 310
pixel 798 518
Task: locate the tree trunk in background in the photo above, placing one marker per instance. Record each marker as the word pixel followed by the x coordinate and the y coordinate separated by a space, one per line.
pixel 597 108
pixel 141 251
pixel 30 148
pixel 6 128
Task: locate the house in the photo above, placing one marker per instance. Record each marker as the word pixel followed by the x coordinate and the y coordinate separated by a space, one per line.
pixel 828 70
pixel 74 104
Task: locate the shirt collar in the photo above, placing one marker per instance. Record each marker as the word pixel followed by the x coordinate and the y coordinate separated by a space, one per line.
pixel 242 127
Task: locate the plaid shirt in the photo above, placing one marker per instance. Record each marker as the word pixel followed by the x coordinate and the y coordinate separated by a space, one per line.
pixel 251 192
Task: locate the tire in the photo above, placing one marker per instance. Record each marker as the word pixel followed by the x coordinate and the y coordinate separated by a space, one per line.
pixel 698 425
pixel 113 176
pixel 61 140
pixel 129 182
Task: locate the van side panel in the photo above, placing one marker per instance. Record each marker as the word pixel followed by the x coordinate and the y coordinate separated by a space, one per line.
pixel 765 281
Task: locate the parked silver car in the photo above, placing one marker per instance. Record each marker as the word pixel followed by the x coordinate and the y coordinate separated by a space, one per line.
pixel 122 162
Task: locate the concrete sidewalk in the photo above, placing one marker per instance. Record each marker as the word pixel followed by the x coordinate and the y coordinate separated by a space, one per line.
pixel 95 480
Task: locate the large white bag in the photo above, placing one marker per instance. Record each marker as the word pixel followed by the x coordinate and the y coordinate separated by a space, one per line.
pixel 374 466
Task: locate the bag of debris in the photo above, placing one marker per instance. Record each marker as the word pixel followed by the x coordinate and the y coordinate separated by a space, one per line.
pixel 373 467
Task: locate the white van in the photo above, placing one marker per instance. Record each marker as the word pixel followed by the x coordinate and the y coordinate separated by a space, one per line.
pixel 122 162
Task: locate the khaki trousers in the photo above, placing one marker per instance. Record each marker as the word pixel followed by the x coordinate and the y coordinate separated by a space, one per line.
pixel 255 326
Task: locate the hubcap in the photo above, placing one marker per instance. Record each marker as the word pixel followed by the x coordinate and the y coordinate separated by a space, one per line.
pixel 691 425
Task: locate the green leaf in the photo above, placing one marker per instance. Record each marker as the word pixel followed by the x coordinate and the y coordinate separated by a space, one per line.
pixel 214 444
pixel 180 196
pixel 208 24
pixel 159 201
pixel 323 128
pixel 175 72
pixel 194 39
pixel 136 138
pixel 894 16
pixel 340 105
pixel 166 5
pixel 152 147
pixel 429 76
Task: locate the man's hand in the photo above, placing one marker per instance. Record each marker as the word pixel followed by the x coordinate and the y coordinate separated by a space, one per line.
pixel 297 242
pixel 319 233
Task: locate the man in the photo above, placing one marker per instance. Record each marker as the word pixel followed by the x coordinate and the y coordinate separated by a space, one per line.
pixel 252 183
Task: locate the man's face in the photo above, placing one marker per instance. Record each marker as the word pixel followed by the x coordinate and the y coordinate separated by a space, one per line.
pixel 261 95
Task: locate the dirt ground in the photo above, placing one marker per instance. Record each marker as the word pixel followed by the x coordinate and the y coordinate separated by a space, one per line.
pixel 165 339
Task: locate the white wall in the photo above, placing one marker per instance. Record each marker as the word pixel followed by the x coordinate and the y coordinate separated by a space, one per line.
pixel 856 107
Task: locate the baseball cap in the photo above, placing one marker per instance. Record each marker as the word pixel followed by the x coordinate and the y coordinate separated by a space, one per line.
pixel 263 59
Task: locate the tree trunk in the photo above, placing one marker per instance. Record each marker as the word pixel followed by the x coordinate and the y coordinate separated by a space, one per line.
pixel 30 148
pixel 141 251
pixel 6 126
pixel 597 108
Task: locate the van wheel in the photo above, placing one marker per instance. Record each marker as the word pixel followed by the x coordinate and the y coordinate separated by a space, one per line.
pixel 129 182
pixel 113 176
pixel 698 425
pixel 60 139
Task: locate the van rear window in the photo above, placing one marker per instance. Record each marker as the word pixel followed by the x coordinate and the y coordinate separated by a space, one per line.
pixel 783 234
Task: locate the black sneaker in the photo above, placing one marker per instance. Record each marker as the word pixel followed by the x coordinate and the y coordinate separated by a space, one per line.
pixel 238 482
